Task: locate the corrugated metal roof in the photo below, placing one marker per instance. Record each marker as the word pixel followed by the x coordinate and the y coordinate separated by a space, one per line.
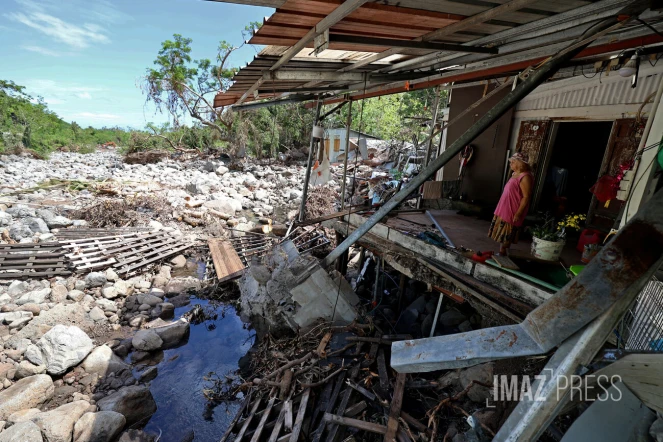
pixel 543 23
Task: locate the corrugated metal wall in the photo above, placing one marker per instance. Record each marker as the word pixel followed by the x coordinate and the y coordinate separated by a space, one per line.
pixel 585 92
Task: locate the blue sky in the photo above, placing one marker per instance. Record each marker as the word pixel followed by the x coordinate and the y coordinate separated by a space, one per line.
pixel 86 57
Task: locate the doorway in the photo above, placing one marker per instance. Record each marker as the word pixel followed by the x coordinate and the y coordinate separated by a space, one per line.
pixel 572 166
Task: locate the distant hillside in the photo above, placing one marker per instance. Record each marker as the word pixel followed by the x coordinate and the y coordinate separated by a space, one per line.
pixel 27 123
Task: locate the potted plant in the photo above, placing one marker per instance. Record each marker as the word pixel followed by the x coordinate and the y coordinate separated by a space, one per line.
pixel 547 240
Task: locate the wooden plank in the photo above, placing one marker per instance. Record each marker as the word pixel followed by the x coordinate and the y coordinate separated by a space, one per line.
pixel 395 412
pixel 263 420
pixel 226 261
pixel 245 403
pixel 433 190
pixel 505 262
pixel 288 415
pixel 333 428
pixel 355 423
pixel 300 416
pixel 329 407
pixel 277 428
pixel 382 370
pixel 248 420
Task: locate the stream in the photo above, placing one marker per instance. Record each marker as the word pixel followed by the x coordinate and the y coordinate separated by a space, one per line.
pixel 215 345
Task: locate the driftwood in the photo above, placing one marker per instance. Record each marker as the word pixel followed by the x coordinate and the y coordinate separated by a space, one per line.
pixel 145 157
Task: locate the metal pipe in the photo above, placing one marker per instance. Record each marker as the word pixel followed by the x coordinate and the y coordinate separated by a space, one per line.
pixel 348 122
pixel 545 71
pixel 302 206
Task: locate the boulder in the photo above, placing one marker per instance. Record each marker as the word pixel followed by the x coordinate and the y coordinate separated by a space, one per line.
pixel 57 425
pixel 23 432
pixel 179 285
pixel 151 300
pixel 59 222
pixel 95 279
pixel 223 205
pixel 103 426
pixel 11 317
pixel 147 340
pixel 135 403
pixel 111 275
pixel 482 373
pixel 27 393
pixel 30 307
pixel 136 436
pixel 60 348
pixel 173 333
pixel 36 225
pixel 35 297
pixel 23 415
pixel 97 314
pixel 19 231
pixel 26 369
pixel 59 293
pixel 178 262
pixel 149 374
pixel 76 295
pixel 110 292
pixel 122 287
pixel 17 288
pixel 222 170
pixel 103 361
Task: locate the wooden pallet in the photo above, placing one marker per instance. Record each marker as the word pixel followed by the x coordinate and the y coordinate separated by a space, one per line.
pixel 505 262
pixel 32 261
pixel 72 233
pixel 126 254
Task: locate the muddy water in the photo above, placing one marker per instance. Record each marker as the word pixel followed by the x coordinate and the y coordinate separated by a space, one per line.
pixel 213 346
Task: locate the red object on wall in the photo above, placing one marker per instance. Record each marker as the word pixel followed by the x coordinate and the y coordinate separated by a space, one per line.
pixel 482 256
pixel 605 188
pixel 588 236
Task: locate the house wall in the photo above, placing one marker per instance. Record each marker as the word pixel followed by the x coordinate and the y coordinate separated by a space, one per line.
pixel 487 165
pixel 598 98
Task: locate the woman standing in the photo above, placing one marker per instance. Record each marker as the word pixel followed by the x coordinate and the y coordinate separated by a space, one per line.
pixel 514 203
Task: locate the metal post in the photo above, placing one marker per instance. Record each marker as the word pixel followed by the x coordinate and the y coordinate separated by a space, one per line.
pixel 348 122
pixel 302 206
pixel 437 314
pixel 544 72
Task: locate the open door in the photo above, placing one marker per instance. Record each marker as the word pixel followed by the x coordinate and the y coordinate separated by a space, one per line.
pixel 624 140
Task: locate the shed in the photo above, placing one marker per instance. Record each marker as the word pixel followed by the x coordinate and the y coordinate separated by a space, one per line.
pixel 337 138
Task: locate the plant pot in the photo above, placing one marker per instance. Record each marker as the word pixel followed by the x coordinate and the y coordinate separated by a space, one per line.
pixel 547 250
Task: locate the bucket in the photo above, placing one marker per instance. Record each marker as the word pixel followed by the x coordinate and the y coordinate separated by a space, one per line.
pixel 547 250
pixel 318 132
pixel 588 236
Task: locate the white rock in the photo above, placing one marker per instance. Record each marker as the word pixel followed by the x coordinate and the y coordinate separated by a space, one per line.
pixel 111 275
pixel 75 295
pixel 121 287
pixel 26 369
pixel 102 361
pixel 23 432
pixel 60 348
pixel 35 296
pixel 59 293
pixel 97 314
pixel 57 425
pixel 27 393
pixel 23 415
pixel 110 292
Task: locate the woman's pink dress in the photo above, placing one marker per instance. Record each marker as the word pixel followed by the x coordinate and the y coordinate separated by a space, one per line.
pixel 510 201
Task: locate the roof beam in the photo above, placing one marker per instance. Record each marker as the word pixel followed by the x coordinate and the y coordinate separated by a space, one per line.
pixel 334 17
pixel 481 17
pixel 397 43
pixel 301 75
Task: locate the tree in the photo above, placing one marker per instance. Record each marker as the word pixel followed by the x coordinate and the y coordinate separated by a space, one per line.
pixel 183 86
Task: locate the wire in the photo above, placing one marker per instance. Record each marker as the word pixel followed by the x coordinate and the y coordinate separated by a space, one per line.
pixel 582 71
pixel 651 163
pixel 354 187
pixel 649 26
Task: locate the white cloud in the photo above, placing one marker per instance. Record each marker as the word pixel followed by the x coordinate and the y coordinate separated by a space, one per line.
pixel 84 96
pixel 74 36
pixel 41 50
pixel 96 117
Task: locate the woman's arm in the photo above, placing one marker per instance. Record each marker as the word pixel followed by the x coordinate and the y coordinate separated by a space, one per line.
pixel 526 189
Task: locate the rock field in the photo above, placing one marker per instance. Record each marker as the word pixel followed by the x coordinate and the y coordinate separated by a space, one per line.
pixel 64 341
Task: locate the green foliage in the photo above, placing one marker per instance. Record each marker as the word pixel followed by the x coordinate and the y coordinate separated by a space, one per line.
pixel 27 123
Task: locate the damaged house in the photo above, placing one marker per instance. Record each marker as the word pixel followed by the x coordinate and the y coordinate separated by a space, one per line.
pixel 575 86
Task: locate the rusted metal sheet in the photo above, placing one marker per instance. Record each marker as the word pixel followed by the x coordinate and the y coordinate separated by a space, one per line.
pixel 622 267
